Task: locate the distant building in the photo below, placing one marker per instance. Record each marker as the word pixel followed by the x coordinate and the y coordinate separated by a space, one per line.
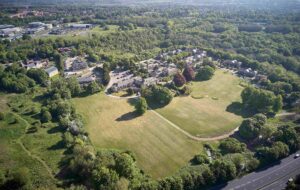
pixel 79 65
pixel 86 80
pixel 9 32
pixel 34 30
pixel 4 26
pixel 36 24
pixel 80 26
pixel 52 71
pixel 247 72
pixel 48 26
pixel 150 81
pixel 232 64
pixel 35 64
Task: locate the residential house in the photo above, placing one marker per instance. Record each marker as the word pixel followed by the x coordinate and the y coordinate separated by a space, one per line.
pixel 247 72
pixel 231 64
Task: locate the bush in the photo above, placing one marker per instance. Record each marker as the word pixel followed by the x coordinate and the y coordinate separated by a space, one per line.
pixel 141 106
pixel 232 145
pixel 2 115
pixel 189 73
pixel 37 124
pixel 179 80
pixel 200 159
pixel 18 179
pixel 158 94
pixel 205 73
pixel 46 116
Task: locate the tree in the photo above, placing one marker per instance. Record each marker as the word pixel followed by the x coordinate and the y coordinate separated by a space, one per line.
pixel 39 75
pixel 289 136
pixel 58 58
pixel 18 179
pixel 2 115
pixel 106 77
pixel 93 57
pixel 278 104
pixel 252 127
pixel 179 80
pixel 104 178
pixel 261 101
pixel 141 106
pixel 277 151
pixel 205 73
pixel 46 116
pixel 74 86
pixel 189 73
pixel 223 170
pixel 200 159
pixel 231 145
pixel 93 88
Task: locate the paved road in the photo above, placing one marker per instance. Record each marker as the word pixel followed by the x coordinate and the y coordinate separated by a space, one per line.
pixel 272 178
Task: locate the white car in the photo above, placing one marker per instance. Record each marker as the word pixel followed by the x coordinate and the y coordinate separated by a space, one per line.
pixel 297 156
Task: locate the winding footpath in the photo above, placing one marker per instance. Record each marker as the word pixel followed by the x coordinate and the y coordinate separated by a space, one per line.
pixel 19 141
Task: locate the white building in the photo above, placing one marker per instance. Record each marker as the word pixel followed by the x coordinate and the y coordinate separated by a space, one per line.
pixel 52 71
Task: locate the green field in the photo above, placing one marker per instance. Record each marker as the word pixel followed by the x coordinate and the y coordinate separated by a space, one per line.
pixel 204 114
pixel 159 148
pixel 13 156
pixel 41 151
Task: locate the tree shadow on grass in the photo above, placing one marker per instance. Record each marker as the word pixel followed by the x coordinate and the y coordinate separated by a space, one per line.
pixel 238 109
pixel 57 146
pixel 57 129
pixel 128 116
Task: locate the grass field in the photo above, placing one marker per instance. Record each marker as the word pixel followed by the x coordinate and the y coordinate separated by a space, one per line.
pixel 13 157
pixel 204 114
pixel 159 148
pixel 43 150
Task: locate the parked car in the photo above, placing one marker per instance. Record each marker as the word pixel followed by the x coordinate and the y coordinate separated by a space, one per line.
pixel 297 156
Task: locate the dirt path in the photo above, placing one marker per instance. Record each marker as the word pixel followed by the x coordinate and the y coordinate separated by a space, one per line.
pixel 19 141
pixel 192 136
pixel 285 114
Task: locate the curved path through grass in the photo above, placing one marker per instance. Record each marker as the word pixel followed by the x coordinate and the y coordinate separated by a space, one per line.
pixel 192 136
pixel 19 141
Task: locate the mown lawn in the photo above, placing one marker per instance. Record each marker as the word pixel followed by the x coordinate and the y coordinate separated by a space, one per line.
pixel 204 113
pixel 160 149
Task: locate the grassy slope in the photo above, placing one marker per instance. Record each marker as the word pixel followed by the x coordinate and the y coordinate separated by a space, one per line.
pixel 160 149
pixel 46 143
pixel 207 116
pixel 12 156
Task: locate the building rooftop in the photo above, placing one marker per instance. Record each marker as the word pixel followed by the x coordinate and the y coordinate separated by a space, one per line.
pixel 51 69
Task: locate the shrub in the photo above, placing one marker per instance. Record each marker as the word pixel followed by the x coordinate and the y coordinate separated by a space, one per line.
pixel 200 159
pixel 189 73
pixel 205 73
pixel 2 115
pixel 179 80
pixel 141 106
pixel 46 116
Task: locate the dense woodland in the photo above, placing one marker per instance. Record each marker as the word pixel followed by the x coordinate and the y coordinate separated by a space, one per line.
pixel 265 40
